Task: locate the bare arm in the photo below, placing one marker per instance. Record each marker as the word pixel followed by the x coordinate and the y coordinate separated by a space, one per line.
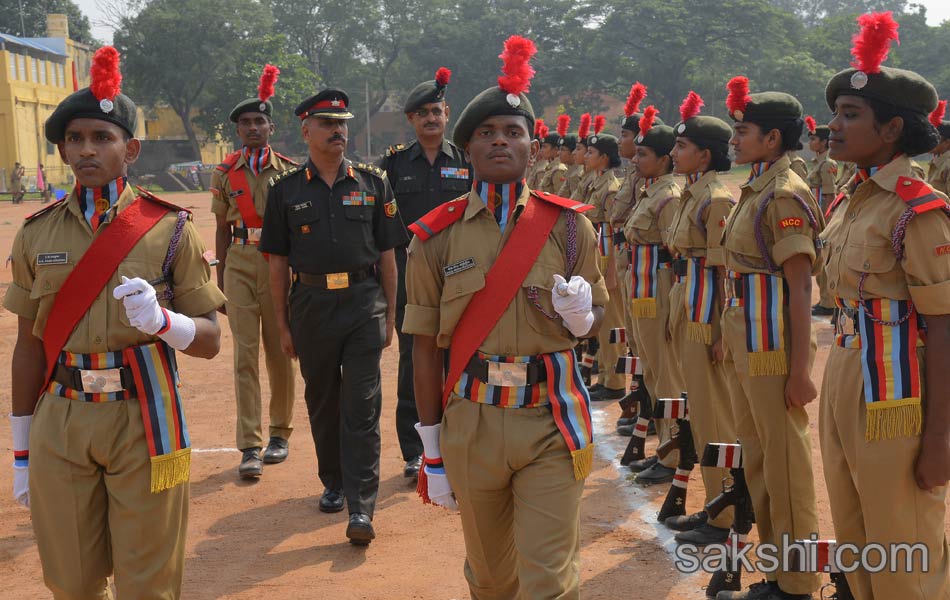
pixel 427 364
pixel 799 389
pixel 207 342
pixel 279 274
pixel 933 462
pixel 388 277
pixel 29 369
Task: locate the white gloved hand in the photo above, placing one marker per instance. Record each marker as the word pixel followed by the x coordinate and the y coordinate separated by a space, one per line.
pixel 573 300
pixel 20 428
pixel 439 490
pixel 145 314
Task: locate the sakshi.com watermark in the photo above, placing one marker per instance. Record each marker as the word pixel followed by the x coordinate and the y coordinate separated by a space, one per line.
pixel 806 556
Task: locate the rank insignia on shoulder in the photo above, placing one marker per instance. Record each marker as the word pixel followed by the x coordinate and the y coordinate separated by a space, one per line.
pixel 370 169
pixel 394 149
pixel 391 209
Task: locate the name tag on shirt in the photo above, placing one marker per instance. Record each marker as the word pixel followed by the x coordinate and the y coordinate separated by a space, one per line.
pixel 52 258
pixel 359 199
pixel 454 173
pixel 456 268
pixel 301 206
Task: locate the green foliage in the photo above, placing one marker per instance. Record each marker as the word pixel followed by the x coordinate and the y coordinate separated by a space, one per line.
pixel 34 18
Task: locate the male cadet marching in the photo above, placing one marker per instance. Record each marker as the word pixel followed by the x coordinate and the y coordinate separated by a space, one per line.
pixel 552 178
pixel 97 278
pixel 821 179
pixel 486 280
pixel 239 187
pixel 423 174
pixel 938 174
pixel 334 223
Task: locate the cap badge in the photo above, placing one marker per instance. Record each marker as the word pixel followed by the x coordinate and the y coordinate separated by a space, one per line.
pixel 593 139
pixel 263 107
pixel 513 100
pixel 859 79
pixel 639 139
pixel 335 103
pixel 106 105
pixel 681 128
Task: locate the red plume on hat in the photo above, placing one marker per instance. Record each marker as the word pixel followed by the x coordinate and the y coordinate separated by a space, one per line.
pixel 538 124
pixel 515 65
pixel 563 123
pixel 811 124
pixel 647 120
pixel 442 77
pixel 584 128
pixel 265 90
pixel 936 117
pixel 691 106
pixel 638 92
pixel 544 131
pixel 873 42
pixel 599 122
pixel 105 77
pixel 738 97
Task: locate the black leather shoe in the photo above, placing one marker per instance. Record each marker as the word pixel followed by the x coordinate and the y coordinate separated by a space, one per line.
pixel 277 450
pixel 651 428
pixel 703 535
pixel 643 464
pixel 606 393
pixel 360 530
pixel 762 591
pixel 411 470
pixel 686 522
pixel 593 389
pixel 622 421
pixel 655 474
pixel 625 430
pixel 251 466
pixel 331 501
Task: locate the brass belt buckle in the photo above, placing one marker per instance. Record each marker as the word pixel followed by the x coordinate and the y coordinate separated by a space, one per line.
pixel 338 281
pixel 508 374
pixel 101 381
pixel 254 234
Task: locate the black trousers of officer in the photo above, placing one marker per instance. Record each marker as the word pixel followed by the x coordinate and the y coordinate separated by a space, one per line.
pixel 406 415
pixel 339 336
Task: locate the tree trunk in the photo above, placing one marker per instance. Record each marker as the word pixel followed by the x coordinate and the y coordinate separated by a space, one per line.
pixel 192 138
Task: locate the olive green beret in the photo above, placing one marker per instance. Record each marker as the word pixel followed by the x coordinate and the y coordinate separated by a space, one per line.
pixel 552 139
pixel 492 102
pixel 769 107
pixel 944 130
pixel 251 105
pixel 703 127
pixel 822 131
pixel 569 140
pixel 83 104
pixel 609 145
pixel 427 92
pixel 632 123
pixel 899 88
pixel 660 138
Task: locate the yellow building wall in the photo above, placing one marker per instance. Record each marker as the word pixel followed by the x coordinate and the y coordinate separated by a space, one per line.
pixel 163 123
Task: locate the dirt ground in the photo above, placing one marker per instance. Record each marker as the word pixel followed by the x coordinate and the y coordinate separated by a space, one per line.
pixel 268 540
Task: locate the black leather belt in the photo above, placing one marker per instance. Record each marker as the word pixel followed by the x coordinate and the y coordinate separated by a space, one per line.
pixel 664 256
pixel 72 377
pixel 680 266
pixel 619 238
pixel 334 281
pixel 496 373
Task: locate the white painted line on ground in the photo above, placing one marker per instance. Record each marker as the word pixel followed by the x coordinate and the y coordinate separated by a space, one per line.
pixel 213 450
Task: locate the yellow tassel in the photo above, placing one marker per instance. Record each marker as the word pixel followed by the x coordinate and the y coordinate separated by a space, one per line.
pixel 583 461
pixel 768 363
pixel 603 264
pixel 169 470
pixel 699 332
pixel 891 419
pixel 643 308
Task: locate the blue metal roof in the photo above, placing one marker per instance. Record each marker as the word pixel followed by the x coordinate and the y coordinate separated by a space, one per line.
pixel 47 45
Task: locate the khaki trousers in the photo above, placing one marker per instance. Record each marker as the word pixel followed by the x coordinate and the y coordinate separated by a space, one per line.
pixel 661 370
pixel 251 312
pixel 626 289
pixel 93 513
pixel 710 411
pixel 776 451
pixel 608 353
pixel 873 492
pixel 514 481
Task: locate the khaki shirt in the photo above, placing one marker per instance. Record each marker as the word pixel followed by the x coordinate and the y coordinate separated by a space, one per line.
pixel 105 327
pixel 859 241
pixel 553 177
pixel 572 180
pixel 823 174
pixel 652 217
pixel 533 178
pixel 700 220
pixel 938 175
pixel 624 200
pixel 846 171
pixel 785 227
pixel 799 166
pixel 436 300
pixel 601 192
pixel 221 201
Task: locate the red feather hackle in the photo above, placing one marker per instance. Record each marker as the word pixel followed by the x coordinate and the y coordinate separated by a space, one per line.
pixel 442 77
pixel 599 122
pixel 936 117
pixel 811 124
pixel 516 66
pixel 691 106
pixel 538 126
pixel 647 120
pixel 638 92
pixel 563 123
pixel 545 130
pixel 738 97
pixel 105 79
pixel 873 42
pixel 584 129
pixel 265 90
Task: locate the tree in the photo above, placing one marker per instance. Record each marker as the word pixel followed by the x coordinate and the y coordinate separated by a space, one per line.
pixel 813 12
pixel 34 18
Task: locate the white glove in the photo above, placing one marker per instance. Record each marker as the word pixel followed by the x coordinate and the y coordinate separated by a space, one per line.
pixel 440 492
pixel 20 427
pixel 146 315
pixel 573 300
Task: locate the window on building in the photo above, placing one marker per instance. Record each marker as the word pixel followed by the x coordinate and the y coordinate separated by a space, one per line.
pixel 12 66
pixel 62 75
pixel 21 66
pixel 43 72
pixel 33 70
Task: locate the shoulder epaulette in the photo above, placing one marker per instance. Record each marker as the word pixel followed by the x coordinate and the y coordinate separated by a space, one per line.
pixel 229 161
pixel 44 210
pixel 918 195
pixel 395 148
pixel 439 218
pixel 566 203
pixel 369 168
pixel 143 193
pixel 286 158
pixel 284 174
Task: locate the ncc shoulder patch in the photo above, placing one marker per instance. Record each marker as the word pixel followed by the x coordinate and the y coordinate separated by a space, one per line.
pixel 791 222
pixel 565 203
pixel 439 218
pixel 368 168
pixel 285 174
pixel 918 196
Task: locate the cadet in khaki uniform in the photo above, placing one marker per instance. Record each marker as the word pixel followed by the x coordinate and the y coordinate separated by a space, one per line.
pixel 553 176
pixel 798 164
pixel 766 327
pixel 239 196
pixel 846 171
pixel 578 150
pixel 515 464
pixel 105 477
pixel 701 151
pixel 566 145
pixel 938 175
pixel 647 229
pixel 884 423
pixel 540 162
pixel 821 179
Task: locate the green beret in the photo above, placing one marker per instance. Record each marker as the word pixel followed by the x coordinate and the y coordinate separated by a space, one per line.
pixel 83 105
pixel 552 139
pixel 251 105
pixel 660 138
pixel 569 140
pixel 944 130
pixel 609 145
pixel 704 128
pixel 427 92
pixel 823 132
pixel 490 103
pixel 768 107
pixel 899 88
pixel 632 123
